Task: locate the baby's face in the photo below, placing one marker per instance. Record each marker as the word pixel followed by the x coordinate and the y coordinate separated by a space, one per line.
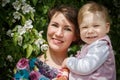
pixel 93 27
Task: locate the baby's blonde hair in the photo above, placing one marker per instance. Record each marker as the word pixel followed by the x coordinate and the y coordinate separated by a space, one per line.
pixel 93 7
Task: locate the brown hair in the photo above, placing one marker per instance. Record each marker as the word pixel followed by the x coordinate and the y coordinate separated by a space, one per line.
pixel 93 7
pixel 70 13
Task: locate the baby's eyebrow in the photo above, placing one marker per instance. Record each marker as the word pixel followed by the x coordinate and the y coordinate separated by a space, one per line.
pixel 83 25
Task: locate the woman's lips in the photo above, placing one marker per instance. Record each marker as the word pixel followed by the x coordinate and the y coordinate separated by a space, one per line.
pixel 57 41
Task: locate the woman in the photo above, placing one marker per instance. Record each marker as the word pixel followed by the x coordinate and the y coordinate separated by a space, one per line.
pixel 61 33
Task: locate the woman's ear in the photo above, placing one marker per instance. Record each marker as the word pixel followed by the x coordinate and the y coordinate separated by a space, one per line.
pixel 75 38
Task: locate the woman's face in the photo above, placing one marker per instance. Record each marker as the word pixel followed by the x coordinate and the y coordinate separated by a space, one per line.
pixel 60 33
pixel 93 27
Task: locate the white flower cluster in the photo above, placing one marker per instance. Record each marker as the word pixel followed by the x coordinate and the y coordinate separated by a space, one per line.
pixel 21 9
pixel 21 30
pixel 26 8
pixel 40 43
pixel 23 6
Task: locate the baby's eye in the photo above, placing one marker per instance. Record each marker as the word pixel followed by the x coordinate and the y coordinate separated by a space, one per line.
pixel 84 27
pixel 96 26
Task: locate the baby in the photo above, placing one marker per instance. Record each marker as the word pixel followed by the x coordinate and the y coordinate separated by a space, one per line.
pixel 96 60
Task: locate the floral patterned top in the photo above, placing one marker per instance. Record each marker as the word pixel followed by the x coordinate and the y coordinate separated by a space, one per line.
pixel 35 69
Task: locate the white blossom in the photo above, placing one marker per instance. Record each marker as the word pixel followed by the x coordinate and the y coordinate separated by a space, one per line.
pixel 19 26
pixel 16 15
pixel 28 24
pixel 44 47
pixel 4 2
pixel 9 57
pixel 13 20
pixel 39 42
pixel 21 30
pixel 40 33
pixel 12 34
pixel 26 8
pixel 17 5
pixel 9 32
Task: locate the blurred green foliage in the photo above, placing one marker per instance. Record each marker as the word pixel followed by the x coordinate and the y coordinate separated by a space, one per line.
pixel 40 22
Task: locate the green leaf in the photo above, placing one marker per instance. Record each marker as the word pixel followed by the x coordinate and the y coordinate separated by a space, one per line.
pixel 15 38
pixel 24 46
pixel 23 20
pixel 34 2
pixel 45 9
pixel 32 15
pixel 35 32
pixel 29 50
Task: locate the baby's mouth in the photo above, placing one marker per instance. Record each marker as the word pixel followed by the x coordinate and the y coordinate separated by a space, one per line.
pixel 91 37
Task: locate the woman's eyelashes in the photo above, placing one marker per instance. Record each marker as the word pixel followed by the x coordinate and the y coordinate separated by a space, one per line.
pixel 54 25
pixel 67 28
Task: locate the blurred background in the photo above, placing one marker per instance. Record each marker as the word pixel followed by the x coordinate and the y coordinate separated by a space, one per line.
pixel 23 25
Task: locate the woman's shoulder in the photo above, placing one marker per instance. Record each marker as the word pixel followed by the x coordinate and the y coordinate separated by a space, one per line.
pixel 28 68
pixel 36 69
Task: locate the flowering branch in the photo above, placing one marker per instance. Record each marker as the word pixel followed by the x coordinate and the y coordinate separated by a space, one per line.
pixel 24 34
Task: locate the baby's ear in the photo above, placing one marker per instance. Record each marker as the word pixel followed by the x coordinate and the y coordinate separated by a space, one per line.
pixel 107 27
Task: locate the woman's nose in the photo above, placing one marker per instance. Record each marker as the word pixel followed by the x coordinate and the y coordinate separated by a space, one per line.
pixel 59 32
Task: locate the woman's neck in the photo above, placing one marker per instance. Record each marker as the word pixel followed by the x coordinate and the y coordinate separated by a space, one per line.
pixel 55 59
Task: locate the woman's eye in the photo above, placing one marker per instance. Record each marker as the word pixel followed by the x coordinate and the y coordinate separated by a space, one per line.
pixel 68 29
pixel 55 25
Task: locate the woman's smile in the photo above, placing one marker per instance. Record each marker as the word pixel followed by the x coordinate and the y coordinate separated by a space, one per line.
pixel 57 41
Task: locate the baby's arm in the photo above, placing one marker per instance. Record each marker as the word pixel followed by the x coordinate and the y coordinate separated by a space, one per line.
pixel 64 63
pixel 96 56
